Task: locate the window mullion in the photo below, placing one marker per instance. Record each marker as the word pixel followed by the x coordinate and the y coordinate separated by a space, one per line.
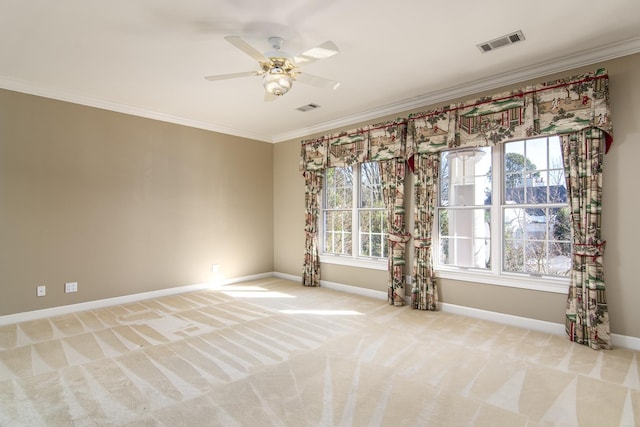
pixel 497 189
pixel 355 213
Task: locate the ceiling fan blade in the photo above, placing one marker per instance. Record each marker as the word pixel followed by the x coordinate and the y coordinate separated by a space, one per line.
pixel 246 48
pixel 233 75
pixel 316 81
pixel 325 50
pixel 269 97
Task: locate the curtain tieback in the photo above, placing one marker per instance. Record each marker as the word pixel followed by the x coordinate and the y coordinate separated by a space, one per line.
pixel 399 238
pixel 422 243
pixel 594 250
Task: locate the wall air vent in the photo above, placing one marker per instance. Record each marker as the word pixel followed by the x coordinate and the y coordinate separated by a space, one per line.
pixel 501 41
pixel 308 107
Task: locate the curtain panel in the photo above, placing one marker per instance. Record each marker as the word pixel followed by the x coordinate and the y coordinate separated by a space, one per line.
pixel 313 162
pixel 384 143
pixel 424 294
pixel 587 317
pixel 313 188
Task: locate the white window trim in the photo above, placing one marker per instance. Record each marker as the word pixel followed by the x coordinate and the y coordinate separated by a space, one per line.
pixel 371 263
pixel 521 281
pixel 352 260
pixel 495 276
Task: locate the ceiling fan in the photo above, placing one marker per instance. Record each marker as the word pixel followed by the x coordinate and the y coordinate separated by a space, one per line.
pixel 278 69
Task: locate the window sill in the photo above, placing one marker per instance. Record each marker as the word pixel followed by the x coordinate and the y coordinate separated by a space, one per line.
pixel 543 284
pixel 372 264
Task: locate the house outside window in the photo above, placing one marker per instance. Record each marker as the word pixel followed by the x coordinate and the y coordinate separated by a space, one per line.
pixel 353 225
pixel 503 216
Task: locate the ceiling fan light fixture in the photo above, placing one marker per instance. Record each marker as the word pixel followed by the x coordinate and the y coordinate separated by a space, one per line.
pixel 277 82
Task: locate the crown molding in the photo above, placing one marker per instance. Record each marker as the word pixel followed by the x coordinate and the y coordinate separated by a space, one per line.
pixel 583 58
pixel 52 93
pixel 580 59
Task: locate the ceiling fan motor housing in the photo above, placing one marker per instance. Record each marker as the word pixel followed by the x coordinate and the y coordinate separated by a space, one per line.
pixel 277 81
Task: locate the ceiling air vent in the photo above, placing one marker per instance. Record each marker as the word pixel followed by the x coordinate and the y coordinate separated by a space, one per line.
pixel 501 41
pixel 308 107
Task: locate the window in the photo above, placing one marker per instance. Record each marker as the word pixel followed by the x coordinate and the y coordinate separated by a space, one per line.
pixel 503 213
pixel 353 201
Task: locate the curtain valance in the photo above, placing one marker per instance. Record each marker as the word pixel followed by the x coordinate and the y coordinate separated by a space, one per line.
pixel 555 107
pixel 378 142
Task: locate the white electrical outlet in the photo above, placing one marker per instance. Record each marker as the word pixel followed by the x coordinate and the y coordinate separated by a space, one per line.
pixel 215 268
pixel 71 287
pixel 41 290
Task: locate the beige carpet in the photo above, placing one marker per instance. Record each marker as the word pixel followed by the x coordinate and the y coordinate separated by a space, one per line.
pixel 274 353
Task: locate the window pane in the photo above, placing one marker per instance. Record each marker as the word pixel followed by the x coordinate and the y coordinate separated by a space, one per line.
pixel 373 239
pixel 557 186
pixel 513 259
pixel 337 232
pixel 535 224
pixel 536 258
pixel 514 223
pixel 555 153
pixel 378 222
pixel 365 221
pixel 469 223
pixel 445 243
pixel 536 152
pixel 444 178
pixel 465 237
pixel 536 188
pixel 538 176
pixel 463 252
pixel 339 188
pixel 559 259
pixel 537 240
pixel 466 178
pixel 464 233
pixel 370 186
pixel 559 225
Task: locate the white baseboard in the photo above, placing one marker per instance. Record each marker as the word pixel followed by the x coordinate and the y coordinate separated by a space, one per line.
pixel 631 343
pixel 617 340
pixel 506 319
pixel 338 286
pixel 285 276
pixel 372 293
pixel 125 299
pixel 625 341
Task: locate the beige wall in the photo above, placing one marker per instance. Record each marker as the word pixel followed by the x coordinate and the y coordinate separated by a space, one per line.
pixel 620 207
pixel 122 204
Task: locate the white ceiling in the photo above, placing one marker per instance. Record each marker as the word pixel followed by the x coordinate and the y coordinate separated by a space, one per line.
pixel 149 57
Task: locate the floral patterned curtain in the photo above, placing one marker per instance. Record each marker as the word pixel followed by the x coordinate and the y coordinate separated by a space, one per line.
pixel 587 317
pixel 392 174
pixel 424 294
pixel 313 188
pixel 427 134
pixel 383 143
pixel 313 161
pixel 387 147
